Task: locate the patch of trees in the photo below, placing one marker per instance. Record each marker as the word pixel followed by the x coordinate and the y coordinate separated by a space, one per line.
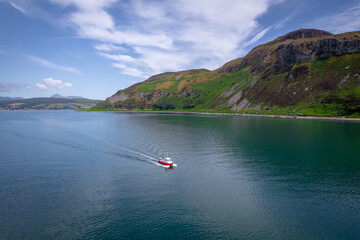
pixel 347 105
pixel 193 101
pixel 188 103
pixel 166 103
pixel 173 102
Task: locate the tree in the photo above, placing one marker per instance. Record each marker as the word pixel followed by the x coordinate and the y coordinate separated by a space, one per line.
pixel 166 103
pixel 188 103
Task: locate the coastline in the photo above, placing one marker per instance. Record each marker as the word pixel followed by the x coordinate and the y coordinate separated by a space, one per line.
pixel 289 117
pixel 243 115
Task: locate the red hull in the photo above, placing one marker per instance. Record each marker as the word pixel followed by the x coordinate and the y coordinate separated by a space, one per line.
pixel 165 163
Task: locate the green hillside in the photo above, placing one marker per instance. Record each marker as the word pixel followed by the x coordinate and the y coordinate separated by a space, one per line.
pixel 306 72
pixel 48 104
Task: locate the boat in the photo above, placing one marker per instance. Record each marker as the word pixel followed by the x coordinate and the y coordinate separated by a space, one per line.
pixel 166 161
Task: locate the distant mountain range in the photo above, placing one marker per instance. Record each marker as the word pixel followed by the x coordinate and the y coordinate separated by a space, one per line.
pixel 68 97
pixel 306 72
pixel 53 96
pixel 10 98
pixel 55 102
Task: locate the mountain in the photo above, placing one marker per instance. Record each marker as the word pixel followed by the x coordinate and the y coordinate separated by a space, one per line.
pixel 48 104
pixel 74 97
pixel 9 98
pixel 57 96
pixel 68 97
pixel 305 72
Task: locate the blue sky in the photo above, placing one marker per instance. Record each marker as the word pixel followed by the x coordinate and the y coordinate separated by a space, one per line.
pixel 93 48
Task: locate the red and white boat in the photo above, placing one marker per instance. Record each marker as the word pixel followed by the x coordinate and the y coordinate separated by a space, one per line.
pixel 166 161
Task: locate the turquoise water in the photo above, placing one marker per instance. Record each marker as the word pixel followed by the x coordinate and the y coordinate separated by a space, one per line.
pixel 85 175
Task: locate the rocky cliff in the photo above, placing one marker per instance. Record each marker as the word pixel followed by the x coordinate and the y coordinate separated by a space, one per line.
pixel 308 71
pixel 296 47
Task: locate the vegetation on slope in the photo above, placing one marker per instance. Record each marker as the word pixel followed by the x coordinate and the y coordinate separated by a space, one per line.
pixel 305 72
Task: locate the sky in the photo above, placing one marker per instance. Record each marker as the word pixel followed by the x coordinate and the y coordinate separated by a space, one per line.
pixel 93 48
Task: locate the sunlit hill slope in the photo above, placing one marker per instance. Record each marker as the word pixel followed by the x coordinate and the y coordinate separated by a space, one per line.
pixel 306 72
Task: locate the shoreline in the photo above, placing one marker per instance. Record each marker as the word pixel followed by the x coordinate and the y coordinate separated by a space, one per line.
pixel 288 117
pixel 243 115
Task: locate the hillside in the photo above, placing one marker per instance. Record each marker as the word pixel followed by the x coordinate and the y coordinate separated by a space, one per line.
pixel 48 104
pixel 9 98
pixel 306 72
pixel 67 97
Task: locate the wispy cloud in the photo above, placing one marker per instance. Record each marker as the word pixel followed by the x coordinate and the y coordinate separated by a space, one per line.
pixel 22 10
pixel 32 9
pixel 131 71
pixel 9 87
pixel 343 21
pixel 48 64
pixel 142 38
pixel 258 36
pixel 168 35
pixel 50 82
pixel 118 57
pixel 107 47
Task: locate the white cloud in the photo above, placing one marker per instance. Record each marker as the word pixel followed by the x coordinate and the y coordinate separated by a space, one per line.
pixel 20 9
pixel 159 36
pixel 118 57
pixel 47 63
pixel 159 61
pixel 93 17
pixel 346 20
pixel 32 9
pixel 132 72
pixel 258 36
pixel 107 47
pixel 124 37
pixel 168 35
pixel 40 86
pixel 119 65
pixel 50 82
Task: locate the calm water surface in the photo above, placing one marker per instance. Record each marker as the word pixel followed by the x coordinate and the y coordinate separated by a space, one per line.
pixel 71 175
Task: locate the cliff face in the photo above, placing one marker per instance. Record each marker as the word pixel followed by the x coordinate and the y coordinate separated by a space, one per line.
pixel 307 67
pixel 296 47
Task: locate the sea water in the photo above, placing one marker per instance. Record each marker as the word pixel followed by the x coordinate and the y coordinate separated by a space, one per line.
pixel 93 175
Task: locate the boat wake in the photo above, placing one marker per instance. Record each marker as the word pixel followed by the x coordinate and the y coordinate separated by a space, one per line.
pixel 153 160
pixel 135 153
pixel 112 149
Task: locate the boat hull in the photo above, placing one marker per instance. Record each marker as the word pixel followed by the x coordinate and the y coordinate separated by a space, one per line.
pixel 165 163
